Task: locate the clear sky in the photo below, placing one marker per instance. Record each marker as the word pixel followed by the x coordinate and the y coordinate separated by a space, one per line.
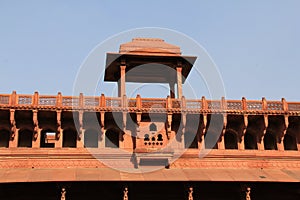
pixel 255 44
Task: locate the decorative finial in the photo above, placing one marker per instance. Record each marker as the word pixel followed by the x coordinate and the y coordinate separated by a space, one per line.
pixel 191 193
pixel 248 193
pixel 63 194
pixel 125 196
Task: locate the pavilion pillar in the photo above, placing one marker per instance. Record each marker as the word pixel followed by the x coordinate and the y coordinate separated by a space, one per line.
pixel 172 89
pixel 179 82
pixel 121 81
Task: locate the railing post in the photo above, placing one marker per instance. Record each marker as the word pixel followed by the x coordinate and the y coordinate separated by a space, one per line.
pixel 204 103
pixel 81 100
pixel 102 101
pixel 285 106
pixel 264 104
pixel 59 99
pixel 244 103
pixel 138 102
pixel 124 101
pixel 35 100
pixel 168 102
pixel 13 98
pixel 183 103
pixel 223 103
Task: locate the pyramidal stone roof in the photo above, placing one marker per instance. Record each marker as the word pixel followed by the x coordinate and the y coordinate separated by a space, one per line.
pixel 149 46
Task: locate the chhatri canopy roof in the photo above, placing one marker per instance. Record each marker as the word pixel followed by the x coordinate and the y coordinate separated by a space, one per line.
pixel 157 59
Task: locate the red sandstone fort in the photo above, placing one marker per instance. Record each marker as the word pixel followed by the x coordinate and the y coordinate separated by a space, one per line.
pixel 93 147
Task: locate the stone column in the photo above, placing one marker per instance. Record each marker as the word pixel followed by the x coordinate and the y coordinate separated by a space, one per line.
pixel 122 80
pixel 172 89
pixel 179 82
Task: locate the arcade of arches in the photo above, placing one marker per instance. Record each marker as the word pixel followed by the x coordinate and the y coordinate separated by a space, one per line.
pixel 72 132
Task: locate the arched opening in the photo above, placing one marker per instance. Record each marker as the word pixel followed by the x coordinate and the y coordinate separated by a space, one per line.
pixel 4 138
pixel 211 139
pixel 25 138
pixel 91 138
pixel 230 140
pixel 250 141
pixel 69 138
pixel 112 138
pixel 190 140
pixel 289 142
pixel 159 137
pixel 270 142
pixel 146 137
pixel 153 127
pixel 45 142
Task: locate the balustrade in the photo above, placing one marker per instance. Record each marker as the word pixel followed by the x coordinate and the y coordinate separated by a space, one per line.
pixel 146 103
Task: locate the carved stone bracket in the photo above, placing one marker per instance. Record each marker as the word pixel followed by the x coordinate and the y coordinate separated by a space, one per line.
pixel 224 124
pixel 80 125
pixel 35 124
pixel 124 120
pixel 58 118
pixel 169 123
pixel 246 122
pixel 138 121
pixel 12 124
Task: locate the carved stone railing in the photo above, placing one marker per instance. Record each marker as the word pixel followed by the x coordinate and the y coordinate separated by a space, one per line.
pixel 234 105
pixel 153 103
pixel 214 105
pixel 94 102
pixel 176 103
pixel 25 99
pixel 4 99
pixel 274 105
pixel 193 104
pixel 132 103
pixel 70 101
pixel 254 105
pixel 91 101
pixel 47 100
pixel 293 106
pixel 113 102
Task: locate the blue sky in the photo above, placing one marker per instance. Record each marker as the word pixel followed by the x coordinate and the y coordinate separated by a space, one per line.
pixel 255 44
